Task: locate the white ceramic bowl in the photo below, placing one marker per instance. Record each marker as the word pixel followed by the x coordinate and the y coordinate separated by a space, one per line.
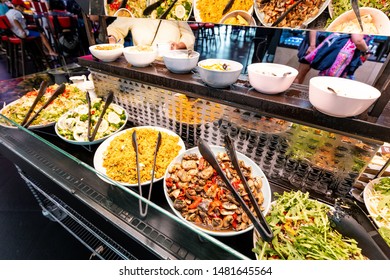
pixel 178 61
pixel 380 20
pixel 106 52
pixel 219 78
pixel 271 78
pixel 351 98
pixel 139 57
pixel 233 14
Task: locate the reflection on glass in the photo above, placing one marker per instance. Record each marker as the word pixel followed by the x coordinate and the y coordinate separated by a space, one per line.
pixel 248 44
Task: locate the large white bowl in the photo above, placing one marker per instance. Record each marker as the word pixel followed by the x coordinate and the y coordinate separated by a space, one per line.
pixel 101 152
pixel 138 57
pixel 107 55
pixel 380 20
pixel 178 61
pixel 246 15
pixel 271 78
pixel 351 98
pixel 256 171
pixel 219 78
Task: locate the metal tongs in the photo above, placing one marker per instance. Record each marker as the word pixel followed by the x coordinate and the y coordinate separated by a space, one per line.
pixel 259 223
pixel 107 103
pixel 58 91
pixel 282 16
pixel 355 8
pixel 143 213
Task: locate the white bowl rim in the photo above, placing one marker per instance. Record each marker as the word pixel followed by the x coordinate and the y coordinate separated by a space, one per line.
pixel 130 48
pixel 93 47
pixel 123 9
pixel 375 92
pixel 194 54
pixel 266 64
pixel 240 66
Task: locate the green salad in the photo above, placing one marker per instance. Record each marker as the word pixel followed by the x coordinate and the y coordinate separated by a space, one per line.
pixel 180 11
pixel 302 231
pixel 73 125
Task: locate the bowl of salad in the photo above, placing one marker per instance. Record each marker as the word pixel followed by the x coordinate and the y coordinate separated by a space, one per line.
pixel 72 126
pixel 377 200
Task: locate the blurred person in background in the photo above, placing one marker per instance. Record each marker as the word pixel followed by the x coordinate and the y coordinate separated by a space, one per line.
pixel 19 28
pixel 338 55
pixel 151 32
pixel 4 7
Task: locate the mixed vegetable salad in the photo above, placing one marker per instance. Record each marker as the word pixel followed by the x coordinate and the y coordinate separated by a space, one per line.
pixel 379 204
pixel 17 110
pixel 302 231
pixel 73 125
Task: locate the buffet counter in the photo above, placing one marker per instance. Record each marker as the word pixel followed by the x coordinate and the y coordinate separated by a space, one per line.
pixel 62 177
pixel 292 105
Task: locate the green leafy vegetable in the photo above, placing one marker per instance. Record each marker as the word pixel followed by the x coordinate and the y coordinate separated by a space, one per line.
pixel 302 231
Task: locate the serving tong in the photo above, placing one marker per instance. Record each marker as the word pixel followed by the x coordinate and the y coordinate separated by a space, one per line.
pixel 259 223
pixel 42 89
pixel 144 212
pixel 41 92
pixel 107 103
pixel 282 16
pixel 342 219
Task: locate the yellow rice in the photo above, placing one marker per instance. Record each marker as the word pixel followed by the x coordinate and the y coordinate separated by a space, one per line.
pixel 213 12
pixel 119 158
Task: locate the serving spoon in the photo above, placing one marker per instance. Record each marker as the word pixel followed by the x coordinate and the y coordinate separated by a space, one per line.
pixel 355 8
pixel 58 92
pixel 109 100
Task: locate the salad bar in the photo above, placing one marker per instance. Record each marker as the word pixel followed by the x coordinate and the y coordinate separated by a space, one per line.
pixel 285 160
pixel 287 193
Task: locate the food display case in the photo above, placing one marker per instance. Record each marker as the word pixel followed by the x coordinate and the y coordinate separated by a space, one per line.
pixel 297 147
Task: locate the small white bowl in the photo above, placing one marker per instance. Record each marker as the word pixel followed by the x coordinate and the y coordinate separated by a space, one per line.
pixel 178 61
pixel 379 18
pixel 106 52
pixel 271 78
pixel 351 98
pixel 139 56
pixel 219 78
pixel 247 16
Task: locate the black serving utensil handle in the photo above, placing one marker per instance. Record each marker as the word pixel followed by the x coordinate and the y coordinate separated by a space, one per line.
pixel 89 114
pixel 109 100
pixel 229 145
pixel 58 91
pixel 41 92
pixel 149 9
pixel 228 6
pixel 348 226
pixel 208 155
pixel 123 4
pixel 279 19
pixel 165 14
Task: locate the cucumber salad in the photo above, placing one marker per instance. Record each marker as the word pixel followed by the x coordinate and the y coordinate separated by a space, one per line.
pixel 73 125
